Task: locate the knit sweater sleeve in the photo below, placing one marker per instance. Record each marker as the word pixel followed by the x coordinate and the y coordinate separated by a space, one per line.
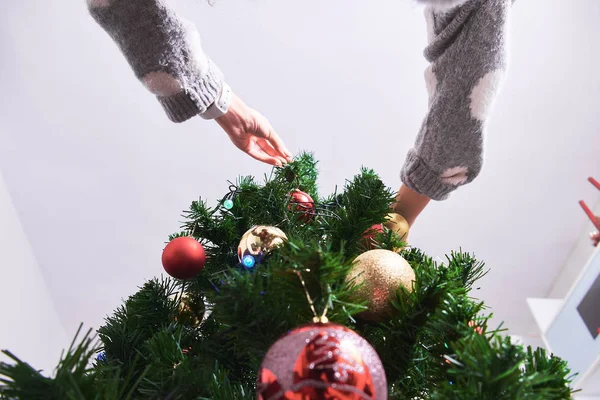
pixel 164 52
pixel 467 55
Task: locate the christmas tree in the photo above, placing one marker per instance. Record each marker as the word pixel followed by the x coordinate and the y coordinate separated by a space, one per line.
pixel 282 294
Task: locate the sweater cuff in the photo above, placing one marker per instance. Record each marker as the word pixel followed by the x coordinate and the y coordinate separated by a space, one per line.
pixel 195 98
pixel 179 107
pixel 417 176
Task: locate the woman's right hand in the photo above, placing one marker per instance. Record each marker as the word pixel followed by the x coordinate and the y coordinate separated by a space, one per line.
pixel 252 133
pixel 595 236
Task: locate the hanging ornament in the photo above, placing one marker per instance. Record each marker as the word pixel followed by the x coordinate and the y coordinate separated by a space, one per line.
pixel 257 242
pixel 191 311
pixel 319 362
pixel 368 239
pixel 302 204
pixel 183 258
pixel 289 174
pixel 380 273
pixel 397 223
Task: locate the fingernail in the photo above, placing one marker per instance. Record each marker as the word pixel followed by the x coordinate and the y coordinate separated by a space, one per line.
pixel 592 234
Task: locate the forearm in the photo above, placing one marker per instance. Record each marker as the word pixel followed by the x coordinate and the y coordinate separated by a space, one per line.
pixel 467 51
pixel 164 52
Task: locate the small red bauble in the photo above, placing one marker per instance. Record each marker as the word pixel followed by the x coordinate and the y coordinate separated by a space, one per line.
pixel 368 238
pixel 183 258
pixel 303 204
pixel 321 362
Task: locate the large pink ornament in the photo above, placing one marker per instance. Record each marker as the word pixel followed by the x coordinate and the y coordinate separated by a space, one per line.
pixel 321 362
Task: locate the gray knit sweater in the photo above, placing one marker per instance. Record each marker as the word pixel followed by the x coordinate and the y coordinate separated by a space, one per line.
pixel 467 55
pixel 466 51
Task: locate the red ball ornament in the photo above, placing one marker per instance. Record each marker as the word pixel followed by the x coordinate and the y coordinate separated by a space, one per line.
pixel 321 362
pixel 303 204
pixel 368 239
pixel 183 258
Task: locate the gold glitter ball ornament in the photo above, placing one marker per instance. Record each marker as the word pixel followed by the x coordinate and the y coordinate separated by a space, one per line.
pixel 380 274
pixel 397 223
pixel 259 241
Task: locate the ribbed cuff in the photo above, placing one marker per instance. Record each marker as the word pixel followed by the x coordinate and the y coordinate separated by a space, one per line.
pixel 418 177
pixel 195 98
pixel 179 107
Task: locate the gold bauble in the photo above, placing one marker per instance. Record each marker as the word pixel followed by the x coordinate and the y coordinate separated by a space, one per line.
pixel 397 223
pixel 380 274
pixel 260 240
pixel 191 311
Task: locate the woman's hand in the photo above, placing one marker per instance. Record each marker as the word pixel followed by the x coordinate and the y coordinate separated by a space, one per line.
pixel 252 133
pixel 595 236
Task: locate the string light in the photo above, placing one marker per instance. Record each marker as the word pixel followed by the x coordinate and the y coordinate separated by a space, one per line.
pixel 248 261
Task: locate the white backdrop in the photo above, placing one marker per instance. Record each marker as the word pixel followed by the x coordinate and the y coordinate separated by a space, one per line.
pixel 30 326
pixel 98 175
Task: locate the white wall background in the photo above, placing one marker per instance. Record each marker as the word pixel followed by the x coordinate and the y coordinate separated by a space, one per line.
pixel 30 326
pixel 98 176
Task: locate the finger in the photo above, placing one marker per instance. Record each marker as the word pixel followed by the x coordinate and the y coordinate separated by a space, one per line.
pixel 594 182
pixel 259 154
pixel 268 148
pixel 265 130
pixel 590 214
pixel 277 143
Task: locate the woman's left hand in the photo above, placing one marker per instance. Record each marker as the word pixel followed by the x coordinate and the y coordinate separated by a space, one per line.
pixel 252 133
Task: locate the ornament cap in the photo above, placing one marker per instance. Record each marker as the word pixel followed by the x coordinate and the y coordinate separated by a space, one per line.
pixel 321 320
